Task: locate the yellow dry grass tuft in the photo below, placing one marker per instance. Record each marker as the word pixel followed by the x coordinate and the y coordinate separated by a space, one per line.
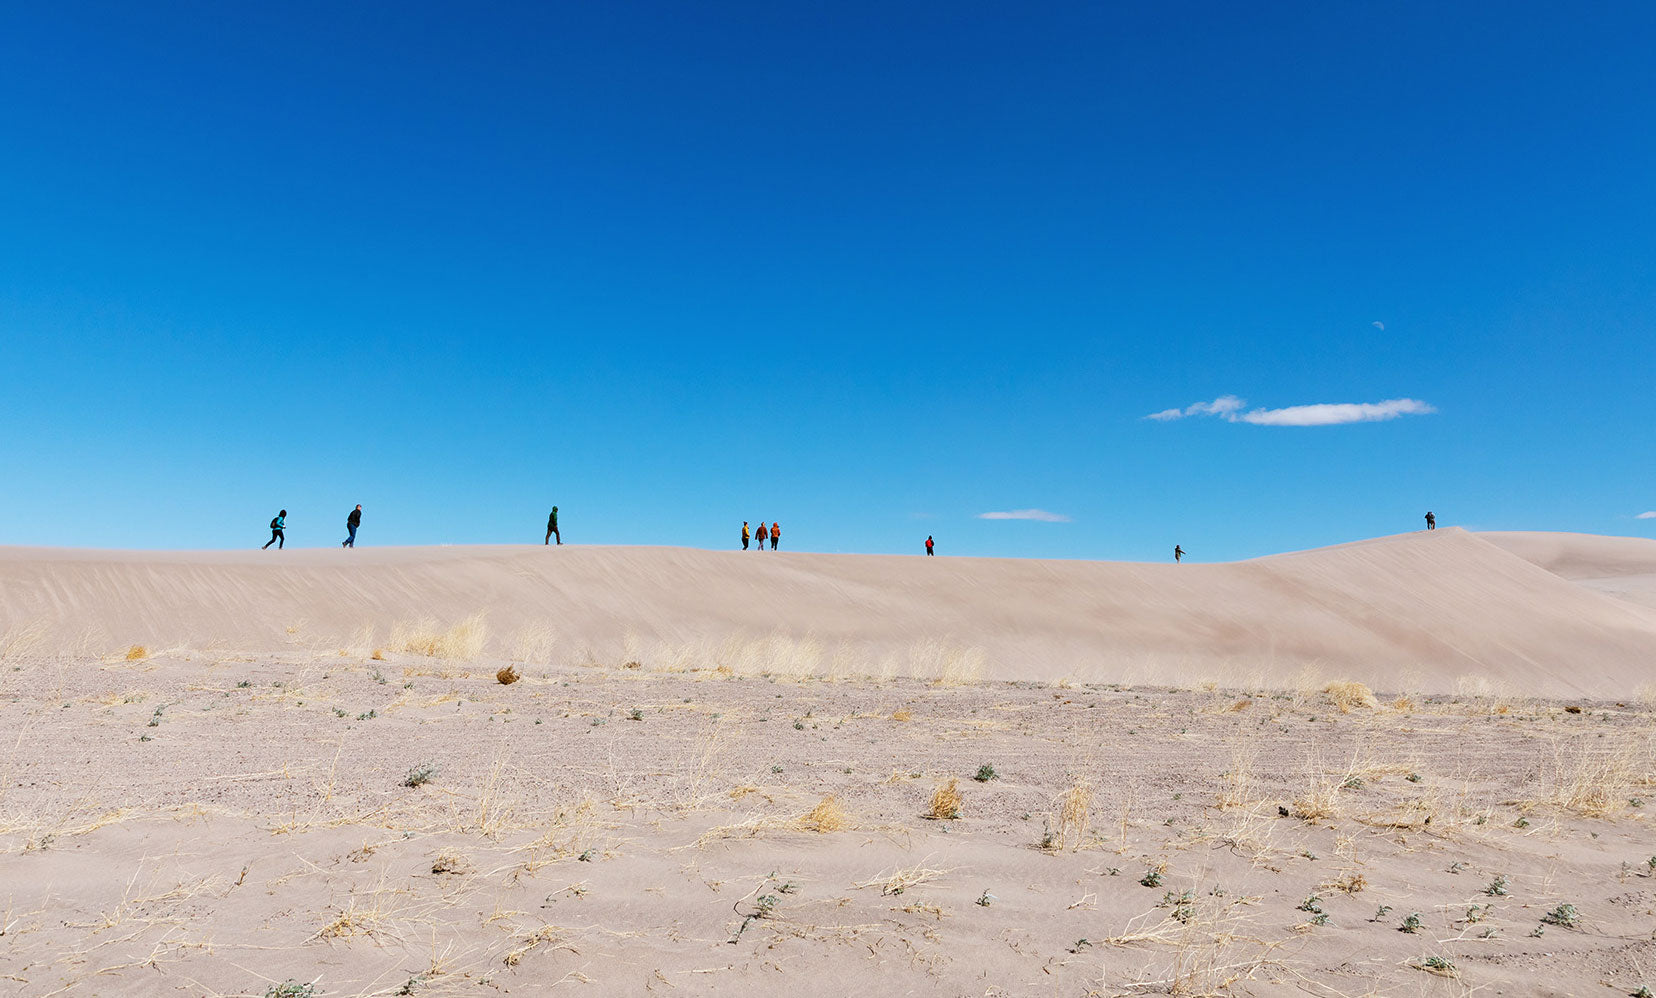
pixel 462 640
pixel 827 816
pixel 137 653
pixel 902 714
pixel 1074 806
pixel 946 801
pixel 1347 695
pixel 378 655
pixel 507 676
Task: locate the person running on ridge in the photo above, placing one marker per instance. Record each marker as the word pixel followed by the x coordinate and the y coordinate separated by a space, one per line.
pixel 277 525
pixel 776 534
pixel 552 527
pixel 760 534
pixel 929 550
pixel 1431 521
pixel 1178 552
pixel 352 522
pixel 745 535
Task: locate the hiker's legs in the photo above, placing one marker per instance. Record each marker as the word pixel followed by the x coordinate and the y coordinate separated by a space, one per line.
pixel 350 541
pixel 744 543
pixel 557 535
pixel 773 543
pixel 273 535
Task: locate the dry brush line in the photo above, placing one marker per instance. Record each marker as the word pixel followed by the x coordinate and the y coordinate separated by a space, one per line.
pixel 463 640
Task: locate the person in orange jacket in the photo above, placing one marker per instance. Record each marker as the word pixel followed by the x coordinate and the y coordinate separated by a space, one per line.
pixel 776 534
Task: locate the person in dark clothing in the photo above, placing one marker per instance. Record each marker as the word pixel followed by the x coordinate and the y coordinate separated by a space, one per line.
pixel 277 525
pixel 1178 552
pixel 352 522
pixel 929 550
pixel 1431 521
pixel 552 527
pixel 760 535
pixel 776 534
pixel 745 535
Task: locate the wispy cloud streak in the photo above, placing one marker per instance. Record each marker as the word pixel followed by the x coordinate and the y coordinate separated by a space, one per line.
pixel 1235 410
pixel 1025 514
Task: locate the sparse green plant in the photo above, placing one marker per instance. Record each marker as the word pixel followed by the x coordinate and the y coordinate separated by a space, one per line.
pixel 420 774
pixel 1352 783
pixel 1312 904
pixel 1643 992
pixel 145 738
pixel 1411 923
pixel 1456 866
pixel 985 773
pixel 368 715
pixel 290 989
pixel 339 712
pixel 585 856
pixel 1538 931
pixel 776 769
pixel 635 715
pixel 1381 912
pixel 379 677
pixel 1413 777
pixel 1080 944
pixel 1476 913
pixel 1320 918
pixel 1565 915
pixel 598 722
pixel 1522 822
pixel 985 900
pixel 1152 878
pixel 1183 905
pixel 244 684
pixel 1498 888
pixel 1439 965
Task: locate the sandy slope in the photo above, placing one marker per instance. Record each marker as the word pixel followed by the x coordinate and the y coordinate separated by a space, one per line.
pixel 1624 567
pixel 1419 611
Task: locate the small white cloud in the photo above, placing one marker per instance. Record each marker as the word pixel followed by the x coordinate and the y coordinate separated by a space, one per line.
pixel 1379 325
pixel 1025 514
pixel 1649 515
pixel 1231 410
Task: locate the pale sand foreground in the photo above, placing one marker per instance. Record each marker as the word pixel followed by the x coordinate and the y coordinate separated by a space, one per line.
pixel 696 811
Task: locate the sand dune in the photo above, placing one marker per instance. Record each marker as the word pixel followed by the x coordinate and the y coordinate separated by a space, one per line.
pixel 1418 611
pixel 1623 567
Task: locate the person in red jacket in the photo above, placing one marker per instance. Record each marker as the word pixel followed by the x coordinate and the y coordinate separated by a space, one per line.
pixel 776 534
pixel 760 536
pixel 929 550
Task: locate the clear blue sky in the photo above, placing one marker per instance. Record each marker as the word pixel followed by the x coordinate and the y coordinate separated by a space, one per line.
pixel 870 269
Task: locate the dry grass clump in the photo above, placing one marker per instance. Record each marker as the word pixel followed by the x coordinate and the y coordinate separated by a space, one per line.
pixel 1073 815
pixel 452 863
pixel 827 816
pixel 1347 695
pixel 378 655
pixel 1596 782
pixel 902 714
pixel 946 801
pixel 462 640
pixel 507 676
pixel 946 665
pixel 137 653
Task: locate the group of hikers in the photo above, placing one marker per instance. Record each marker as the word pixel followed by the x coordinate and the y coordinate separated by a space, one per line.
pixel 774 532
pixel 278 529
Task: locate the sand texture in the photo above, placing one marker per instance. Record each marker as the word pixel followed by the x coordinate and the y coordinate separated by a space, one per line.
pixel 1428 611
pixel 229 775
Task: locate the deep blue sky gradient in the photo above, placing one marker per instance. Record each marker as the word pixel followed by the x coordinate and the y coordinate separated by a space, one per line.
pixel 871 269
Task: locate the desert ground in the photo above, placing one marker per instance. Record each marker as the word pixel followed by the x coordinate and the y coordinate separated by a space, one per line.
pixel 1418 765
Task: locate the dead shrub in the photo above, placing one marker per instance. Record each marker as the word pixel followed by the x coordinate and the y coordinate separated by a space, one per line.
pixel 507 676
pixel 946 801
pixel 137 653
pixel 827 816
pixel 1347 695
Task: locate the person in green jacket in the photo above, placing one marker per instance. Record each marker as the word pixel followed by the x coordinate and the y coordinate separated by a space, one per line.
pixel 552 527
pixel 277 525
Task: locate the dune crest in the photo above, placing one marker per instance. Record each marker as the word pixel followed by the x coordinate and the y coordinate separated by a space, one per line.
pixel 1421 611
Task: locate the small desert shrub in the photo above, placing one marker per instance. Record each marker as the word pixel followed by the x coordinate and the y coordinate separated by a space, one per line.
pixel 507 676
pixel 420 774
pixel 290 989
pixel 985 773
pixel 827 816
pixel 1348 695
pixel 1074 806
pixel 451 863
pixel 946 801
pixel 378 655
pixel 1498 887
pixel 1565 915
pixel 1442 966
pixel 136 653
pixel 1411 923
pixel 1152 878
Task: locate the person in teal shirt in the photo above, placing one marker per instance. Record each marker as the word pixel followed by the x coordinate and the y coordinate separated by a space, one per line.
pixel 276 527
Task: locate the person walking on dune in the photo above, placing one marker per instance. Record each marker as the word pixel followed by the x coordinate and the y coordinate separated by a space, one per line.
pixel 929 551
pixel 776 534
pixel 552 527
pixel 745 535
pixel 352 522
pixel 760 535
pixel 277 525
pixel 1431 521
pixel 1178 552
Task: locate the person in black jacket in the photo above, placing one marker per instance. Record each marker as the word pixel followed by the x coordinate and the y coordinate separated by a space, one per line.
pixel 552 527
pixel 352 522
